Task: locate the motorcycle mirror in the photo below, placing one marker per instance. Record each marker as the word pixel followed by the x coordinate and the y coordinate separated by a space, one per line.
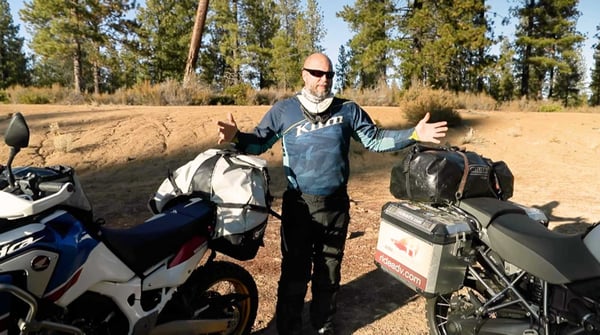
pixel 17 133
pixel 16 137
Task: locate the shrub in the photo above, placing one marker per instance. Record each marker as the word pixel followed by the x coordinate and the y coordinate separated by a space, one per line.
pixel 174 94
pixel 221 100
pixel 441 105
pixel 263 97
pixel 33 97
pixel 4 97
pixel 382 95
pixel 479 101
pixel 140 94
pixel 551 108
pixel 239 93
pixel 201 97
pixel 71 97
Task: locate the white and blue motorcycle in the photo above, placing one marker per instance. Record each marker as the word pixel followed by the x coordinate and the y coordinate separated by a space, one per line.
pixel 61 272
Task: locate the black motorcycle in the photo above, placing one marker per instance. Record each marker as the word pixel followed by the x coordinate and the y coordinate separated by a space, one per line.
pixel 490 266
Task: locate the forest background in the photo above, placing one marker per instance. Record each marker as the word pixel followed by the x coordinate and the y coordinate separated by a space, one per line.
pixel 117 51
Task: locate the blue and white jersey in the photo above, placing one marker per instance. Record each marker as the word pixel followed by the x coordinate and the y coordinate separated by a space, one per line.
pixel 315 155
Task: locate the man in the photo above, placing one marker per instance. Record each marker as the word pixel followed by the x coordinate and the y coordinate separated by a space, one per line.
pixel 316 129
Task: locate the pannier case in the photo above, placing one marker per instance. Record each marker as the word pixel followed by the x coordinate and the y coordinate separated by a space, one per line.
pixel 424 247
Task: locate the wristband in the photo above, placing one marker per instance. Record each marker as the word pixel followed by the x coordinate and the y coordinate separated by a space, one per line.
pixel 414 135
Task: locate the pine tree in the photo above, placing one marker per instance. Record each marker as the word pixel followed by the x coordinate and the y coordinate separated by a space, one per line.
pixel 342 69
pixel 502 80
pixel 74 32
pixel 445 44
pixel 211 66
pixel 57 37
pixel 259 27
pixel 164 36
pixel 286 62
pixel 288 54
pixel 106 24
pixel 315 30
pixel 547 44
pixel 13 62
pixel 595 75
pixel 372 44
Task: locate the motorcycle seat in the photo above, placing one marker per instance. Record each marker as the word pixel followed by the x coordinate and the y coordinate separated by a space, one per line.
pixel 146 244
pixel 487 209
pixel 555 257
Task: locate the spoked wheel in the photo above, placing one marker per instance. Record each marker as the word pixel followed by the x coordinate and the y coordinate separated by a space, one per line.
pixel 453 314
pixel 222 293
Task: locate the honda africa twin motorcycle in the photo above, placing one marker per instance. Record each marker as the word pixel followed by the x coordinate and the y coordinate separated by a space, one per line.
pixel 61 272
pixel 488 266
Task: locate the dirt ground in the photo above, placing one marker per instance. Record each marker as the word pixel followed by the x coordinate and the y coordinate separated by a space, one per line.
pixel 122 154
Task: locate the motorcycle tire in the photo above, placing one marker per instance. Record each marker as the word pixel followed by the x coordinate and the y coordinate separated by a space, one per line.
pixel 219 289
pixel 446 313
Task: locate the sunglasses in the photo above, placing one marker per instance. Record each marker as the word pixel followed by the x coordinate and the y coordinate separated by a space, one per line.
pixel 319 73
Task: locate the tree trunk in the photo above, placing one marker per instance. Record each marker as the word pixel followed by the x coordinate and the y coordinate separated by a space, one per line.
pixel 77 77
pixel 525 75
pixel 96 70
pixel 96 78
pixel 192 58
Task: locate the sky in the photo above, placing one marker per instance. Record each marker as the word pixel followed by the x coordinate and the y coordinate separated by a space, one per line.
pixel 338 33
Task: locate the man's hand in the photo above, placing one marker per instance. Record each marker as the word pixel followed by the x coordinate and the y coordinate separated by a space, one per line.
pixel 227 130
pixel 430 132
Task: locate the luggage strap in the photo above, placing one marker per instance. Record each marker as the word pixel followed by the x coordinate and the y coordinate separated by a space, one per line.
pixel 463 179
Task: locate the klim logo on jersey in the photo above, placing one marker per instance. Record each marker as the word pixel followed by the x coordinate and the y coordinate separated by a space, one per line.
pixel 308 127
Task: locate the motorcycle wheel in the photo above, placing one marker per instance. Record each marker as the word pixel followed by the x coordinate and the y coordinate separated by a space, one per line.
pixel 218 290
pixel 446 314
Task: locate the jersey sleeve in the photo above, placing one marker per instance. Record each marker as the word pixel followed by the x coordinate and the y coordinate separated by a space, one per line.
pixel 266 133
pixel 377 139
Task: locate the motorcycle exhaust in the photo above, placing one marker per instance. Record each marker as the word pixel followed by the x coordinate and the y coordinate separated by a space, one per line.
pixel 491 327
pixel 192 327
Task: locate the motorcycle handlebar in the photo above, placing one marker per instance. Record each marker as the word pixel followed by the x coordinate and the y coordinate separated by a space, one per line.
pixel 51 186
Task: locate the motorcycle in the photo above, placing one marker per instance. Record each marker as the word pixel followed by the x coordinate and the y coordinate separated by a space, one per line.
pixel 489 266
pixel 63 272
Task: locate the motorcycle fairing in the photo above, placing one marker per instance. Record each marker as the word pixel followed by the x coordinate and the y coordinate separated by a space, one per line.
pixel 554 257
pixel 68 238
pixel 174 272
pixel 21 246
pixel 146 244
pixel 102 266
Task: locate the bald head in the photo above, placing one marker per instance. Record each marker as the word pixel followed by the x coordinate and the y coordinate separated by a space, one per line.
pixel 318 61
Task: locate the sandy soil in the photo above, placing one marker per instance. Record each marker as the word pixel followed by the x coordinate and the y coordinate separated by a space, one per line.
pixel 122 154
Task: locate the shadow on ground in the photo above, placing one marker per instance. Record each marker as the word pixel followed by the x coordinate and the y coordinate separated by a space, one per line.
pixel 357 309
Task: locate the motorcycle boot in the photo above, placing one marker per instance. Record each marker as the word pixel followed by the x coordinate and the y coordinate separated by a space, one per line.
pixel 288 311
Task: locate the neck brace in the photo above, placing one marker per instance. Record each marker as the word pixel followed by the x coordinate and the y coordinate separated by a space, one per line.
pixel 313 104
